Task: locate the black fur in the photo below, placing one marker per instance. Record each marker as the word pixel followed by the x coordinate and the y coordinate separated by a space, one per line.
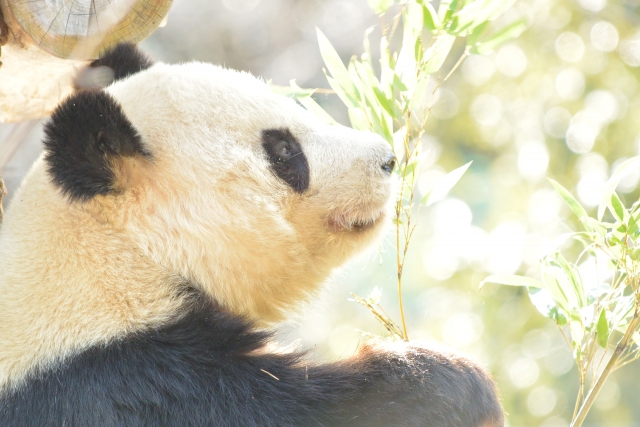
pixel 208 369
pixel 84 135
pixel 124 60
pixel 287 158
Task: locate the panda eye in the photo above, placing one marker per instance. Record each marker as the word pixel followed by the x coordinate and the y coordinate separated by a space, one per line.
pixel 283 149
pixel 286 157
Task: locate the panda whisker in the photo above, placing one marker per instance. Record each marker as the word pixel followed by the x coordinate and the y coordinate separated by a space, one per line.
pixel 297 154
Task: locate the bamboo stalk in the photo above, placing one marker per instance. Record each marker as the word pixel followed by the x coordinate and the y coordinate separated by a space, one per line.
pixel 611 366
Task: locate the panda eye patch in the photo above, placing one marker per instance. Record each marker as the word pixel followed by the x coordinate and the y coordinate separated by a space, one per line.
pixel 286 158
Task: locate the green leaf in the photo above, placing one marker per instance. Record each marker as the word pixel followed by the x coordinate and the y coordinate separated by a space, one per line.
pixel 431 19
pixel 380 6
pixel 512 280
pixel 593 225
pixel 555 282
pixel 290 91
pixel 304 97
pixel 436 53
pixel 624 169
pixel 474 36
pixel 633 226
pixel 543 301
pixel 603 330
pixel 413 22
pixel 444 185
pixel 349 99
pixel 618 209
pixel 576 292
pixel 335 66
pixel 505 34
pixel 358 119
pixel 388 106
pixel 575 206
pixel 610 186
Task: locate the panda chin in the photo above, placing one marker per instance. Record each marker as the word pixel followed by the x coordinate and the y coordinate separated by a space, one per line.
pixel 353 224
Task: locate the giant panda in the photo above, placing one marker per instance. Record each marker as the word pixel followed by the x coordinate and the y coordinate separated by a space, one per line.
pixel 174 217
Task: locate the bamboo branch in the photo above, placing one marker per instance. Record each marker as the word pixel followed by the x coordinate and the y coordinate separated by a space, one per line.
pixel 611 366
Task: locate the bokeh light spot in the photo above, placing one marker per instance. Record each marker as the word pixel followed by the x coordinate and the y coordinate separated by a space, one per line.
pixel 604 104
pixel 505 247
pixel 569 47
pixel 524 372
pixel 559 360
pixel 609 395
pixel 581 137
pixel 604 36
pixel 511 61
pixel 556 122
pixel 487 109
pixel 478 69
pixel 533 160
pixel 446 106
pixel 570 84
pixel 593 5
pixel 630 52
pixel 462 329
pixel 541 401
pixel 544 206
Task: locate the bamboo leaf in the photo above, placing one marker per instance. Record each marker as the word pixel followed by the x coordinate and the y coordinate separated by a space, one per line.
pixel 621 171
pixel 543 301
pixel 576 291
pixel 304 97
pixel 436 54
pixel 505 34
pixel 358 119
pixel 380 6
pixel 431 19
pixel 384 102
pixel 603 329
pixel 334 64
pixel 348 98
pixel 444 185
pixel 575 206
pixel 512 280
pixel 474 36
pixel 617 207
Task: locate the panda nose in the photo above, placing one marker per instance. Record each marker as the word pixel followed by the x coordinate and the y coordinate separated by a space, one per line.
pixel 389 164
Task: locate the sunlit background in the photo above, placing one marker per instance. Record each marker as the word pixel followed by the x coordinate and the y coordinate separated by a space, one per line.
pixel 562 101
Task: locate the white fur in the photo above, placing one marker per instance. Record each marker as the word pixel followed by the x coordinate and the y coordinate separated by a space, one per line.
pixel 207 208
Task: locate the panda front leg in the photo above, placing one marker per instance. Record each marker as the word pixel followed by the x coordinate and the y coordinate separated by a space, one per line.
pixel 217 370
pixel 210 368
pixel 397 384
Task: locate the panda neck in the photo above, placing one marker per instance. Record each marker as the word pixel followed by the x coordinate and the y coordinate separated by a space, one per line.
pixel 69 281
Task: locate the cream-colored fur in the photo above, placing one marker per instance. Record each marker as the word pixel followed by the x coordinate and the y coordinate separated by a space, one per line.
pixel 206 209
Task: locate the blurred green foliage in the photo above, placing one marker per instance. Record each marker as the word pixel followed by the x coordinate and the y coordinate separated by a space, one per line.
pixel 561 101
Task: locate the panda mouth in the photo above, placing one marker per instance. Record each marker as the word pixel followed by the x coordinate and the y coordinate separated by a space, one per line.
pixel 356 225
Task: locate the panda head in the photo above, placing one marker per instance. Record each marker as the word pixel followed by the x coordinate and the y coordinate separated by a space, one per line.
pixel 218 180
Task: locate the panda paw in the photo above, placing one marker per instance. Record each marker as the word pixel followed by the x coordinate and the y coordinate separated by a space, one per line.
pixel 431 387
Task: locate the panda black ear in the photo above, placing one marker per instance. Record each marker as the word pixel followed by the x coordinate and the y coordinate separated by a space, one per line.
pixel 85 137
pixel 120 62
